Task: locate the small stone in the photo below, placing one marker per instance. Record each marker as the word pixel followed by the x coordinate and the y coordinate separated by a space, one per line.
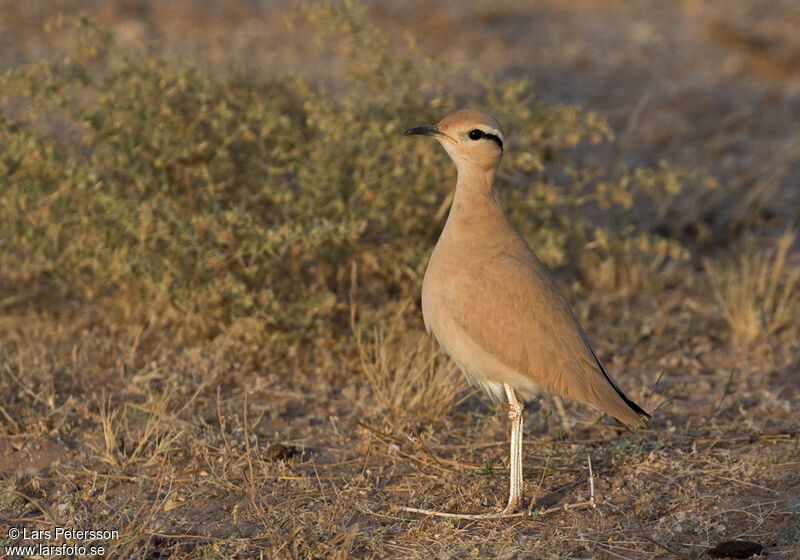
pixel 280 452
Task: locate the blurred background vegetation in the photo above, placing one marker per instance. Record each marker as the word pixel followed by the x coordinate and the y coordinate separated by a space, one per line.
pixel 203 199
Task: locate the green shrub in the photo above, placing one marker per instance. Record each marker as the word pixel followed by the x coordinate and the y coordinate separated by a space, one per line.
pixel 207 199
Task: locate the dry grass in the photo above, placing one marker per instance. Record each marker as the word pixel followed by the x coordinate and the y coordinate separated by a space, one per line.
pixel 126 443
pixel 185 355
pixel 759 293
pixel 408 372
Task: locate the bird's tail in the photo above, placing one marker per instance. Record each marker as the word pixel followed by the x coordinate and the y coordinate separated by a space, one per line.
pixel 618 405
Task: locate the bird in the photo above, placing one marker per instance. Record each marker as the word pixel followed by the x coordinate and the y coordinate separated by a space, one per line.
pixel 493 306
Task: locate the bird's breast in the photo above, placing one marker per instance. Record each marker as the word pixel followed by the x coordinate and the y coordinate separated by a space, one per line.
pixel 451 273
pixel 480 367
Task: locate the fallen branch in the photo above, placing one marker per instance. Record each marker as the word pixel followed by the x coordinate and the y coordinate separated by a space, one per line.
pixel 589 504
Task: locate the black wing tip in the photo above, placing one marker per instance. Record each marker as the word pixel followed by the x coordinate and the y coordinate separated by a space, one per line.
pixel 644 416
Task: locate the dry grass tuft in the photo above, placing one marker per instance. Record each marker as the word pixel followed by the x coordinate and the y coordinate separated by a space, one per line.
pixel 409 374
pixel 758 293
pixel 136 435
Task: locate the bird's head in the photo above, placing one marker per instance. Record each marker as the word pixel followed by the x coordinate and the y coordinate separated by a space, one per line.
pixel 473 140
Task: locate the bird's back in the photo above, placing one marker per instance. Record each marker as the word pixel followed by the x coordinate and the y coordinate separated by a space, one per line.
pixel 497 311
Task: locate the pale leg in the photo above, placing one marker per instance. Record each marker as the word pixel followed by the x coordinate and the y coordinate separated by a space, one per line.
pixel 515 460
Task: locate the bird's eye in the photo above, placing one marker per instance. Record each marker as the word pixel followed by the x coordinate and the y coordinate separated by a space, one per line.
pixel 476 134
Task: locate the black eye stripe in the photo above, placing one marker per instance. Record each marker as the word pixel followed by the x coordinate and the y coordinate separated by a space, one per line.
pixel 477 134
pixel 495 138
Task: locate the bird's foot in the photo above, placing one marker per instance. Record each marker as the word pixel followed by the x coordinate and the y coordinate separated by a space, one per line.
pixel 512 507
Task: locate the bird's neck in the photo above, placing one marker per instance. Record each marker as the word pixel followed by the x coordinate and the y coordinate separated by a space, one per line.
pixel 475 194
pixel 476 204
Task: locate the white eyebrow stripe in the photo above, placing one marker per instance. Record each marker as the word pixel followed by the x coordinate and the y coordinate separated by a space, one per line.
pixel 490 130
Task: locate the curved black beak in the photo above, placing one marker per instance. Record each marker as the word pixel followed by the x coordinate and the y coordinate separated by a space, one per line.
pixel 423 130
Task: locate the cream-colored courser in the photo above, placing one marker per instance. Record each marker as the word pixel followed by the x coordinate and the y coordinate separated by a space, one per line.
pixel 493 306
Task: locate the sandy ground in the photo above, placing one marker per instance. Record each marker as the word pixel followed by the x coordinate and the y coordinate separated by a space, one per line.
pixel 317 471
